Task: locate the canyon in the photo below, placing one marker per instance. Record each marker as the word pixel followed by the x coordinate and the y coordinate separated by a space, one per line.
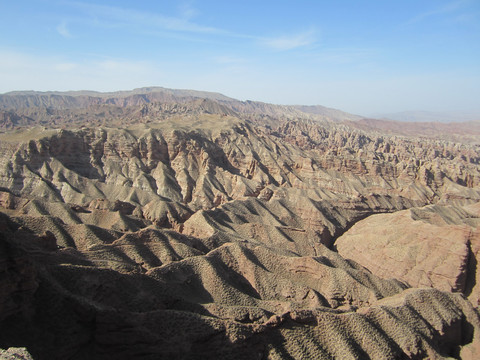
pixel 179 224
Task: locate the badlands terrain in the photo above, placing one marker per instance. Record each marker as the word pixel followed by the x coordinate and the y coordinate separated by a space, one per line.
pixel 175 224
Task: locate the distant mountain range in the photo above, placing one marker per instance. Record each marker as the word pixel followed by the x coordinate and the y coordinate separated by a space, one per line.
pixel 43 105
pixel 23 102
pixel 74 109
pixel 429 116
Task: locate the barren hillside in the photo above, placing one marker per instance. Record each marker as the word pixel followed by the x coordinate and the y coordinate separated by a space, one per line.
pixel 179 224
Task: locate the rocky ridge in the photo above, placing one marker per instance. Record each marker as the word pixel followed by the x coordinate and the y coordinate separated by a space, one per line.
pixel 218 232
pixel 144 105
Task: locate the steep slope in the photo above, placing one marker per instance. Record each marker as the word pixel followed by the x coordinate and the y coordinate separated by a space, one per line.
pixel 10 120
pixel 206 233
pixel 434 246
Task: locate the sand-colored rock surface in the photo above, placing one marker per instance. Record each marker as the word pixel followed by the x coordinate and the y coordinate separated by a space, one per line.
pixel 161 224
pixel 434 246
pixel 238 300
pixel 15 354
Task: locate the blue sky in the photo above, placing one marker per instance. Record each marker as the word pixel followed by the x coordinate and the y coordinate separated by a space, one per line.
pixel 359 56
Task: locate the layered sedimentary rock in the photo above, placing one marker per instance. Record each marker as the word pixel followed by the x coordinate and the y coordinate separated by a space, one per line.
pixel 435 246
pixel 223 229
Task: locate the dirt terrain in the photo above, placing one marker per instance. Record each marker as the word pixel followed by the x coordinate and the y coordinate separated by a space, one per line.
pixel 177 224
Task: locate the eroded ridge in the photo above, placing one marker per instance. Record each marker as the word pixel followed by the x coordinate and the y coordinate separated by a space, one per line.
pixel 224 233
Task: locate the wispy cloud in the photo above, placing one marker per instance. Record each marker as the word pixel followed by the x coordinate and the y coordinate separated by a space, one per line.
pixel 445 9
pixel 290 42
pixel 63 30
pixel 186 25
pixel 29 71
pixel 187 11
pixel 124 17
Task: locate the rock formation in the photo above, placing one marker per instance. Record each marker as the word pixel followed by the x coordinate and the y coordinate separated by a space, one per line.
pixel 435 246
pixel 192 225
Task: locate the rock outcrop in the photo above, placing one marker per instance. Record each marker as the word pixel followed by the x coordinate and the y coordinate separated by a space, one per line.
pixel 435 246
pixel 202 227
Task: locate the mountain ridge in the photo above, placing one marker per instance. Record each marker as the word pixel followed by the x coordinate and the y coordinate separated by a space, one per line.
pixel 141 96
pixel 430 116
pixel 203 229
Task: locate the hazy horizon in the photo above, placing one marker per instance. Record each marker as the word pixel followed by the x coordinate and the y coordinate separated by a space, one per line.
pixel 363 58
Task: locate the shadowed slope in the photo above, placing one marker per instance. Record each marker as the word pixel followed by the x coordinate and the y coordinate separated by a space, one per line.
pixel 218 304
pixel 209 236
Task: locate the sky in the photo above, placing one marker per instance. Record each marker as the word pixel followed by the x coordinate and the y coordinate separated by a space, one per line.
pixel 359 56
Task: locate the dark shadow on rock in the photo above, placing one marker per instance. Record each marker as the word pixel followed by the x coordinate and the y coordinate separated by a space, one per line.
pixel 471 279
